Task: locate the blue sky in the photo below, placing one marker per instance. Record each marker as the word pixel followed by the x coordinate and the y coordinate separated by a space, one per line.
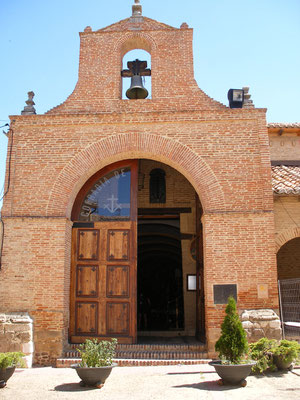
pixel 236 43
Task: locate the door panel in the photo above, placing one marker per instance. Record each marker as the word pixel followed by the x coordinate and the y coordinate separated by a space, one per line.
pixel 117 281
pixel 88 244
pixel 103 272
pixel 86 318
pixel 118 245
pixel 118 316
pixel 86 280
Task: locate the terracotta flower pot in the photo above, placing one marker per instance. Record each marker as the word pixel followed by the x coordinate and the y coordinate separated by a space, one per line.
pixel 93 376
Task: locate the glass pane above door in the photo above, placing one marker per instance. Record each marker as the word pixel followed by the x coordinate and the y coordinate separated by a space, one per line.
pixel 108 198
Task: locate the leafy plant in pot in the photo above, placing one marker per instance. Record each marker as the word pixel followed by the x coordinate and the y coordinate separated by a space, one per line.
pixel 232 346
pixel 285 353
pixel 96 361
pixel 8 363
pixel 262 352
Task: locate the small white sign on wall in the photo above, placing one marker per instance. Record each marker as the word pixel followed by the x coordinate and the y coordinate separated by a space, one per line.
pixel 191 282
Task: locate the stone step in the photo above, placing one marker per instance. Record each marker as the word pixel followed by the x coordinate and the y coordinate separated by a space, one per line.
pixel 146 354
pixel 153 347
pixel 67 362
pixel 150 354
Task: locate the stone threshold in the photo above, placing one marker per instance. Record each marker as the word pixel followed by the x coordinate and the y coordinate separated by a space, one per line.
pixel 67 362
pixel 151 354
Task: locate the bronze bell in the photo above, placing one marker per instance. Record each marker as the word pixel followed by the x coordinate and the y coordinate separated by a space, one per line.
pixel 137 89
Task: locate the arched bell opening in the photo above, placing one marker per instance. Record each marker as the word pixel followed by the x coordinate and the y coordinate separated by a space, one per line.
pixel 136 75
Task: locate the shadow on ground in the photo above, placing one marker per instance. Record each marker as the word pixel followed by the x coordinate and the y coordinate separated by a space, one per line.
pixel 72 387
pixel 191 373
pixel 274 374
pixel 209 385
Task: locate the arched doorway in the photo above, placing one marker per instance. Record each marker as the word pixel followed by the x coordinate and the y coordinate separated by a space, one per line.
pixel 112 294
pixel 288 260
pixel 288 270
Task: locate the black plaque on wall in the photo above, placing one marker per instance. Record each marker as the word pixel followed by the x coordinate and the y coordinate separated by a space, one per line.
pixel 222 292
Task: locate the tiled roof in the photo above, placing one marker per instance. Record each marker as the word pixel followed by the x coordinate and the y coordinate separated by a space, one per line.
pixel 286 179
pixel 283 125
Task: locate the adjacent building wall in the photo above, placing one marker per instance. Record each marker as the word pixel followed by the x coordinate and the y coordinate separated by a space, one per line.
pixel 285 148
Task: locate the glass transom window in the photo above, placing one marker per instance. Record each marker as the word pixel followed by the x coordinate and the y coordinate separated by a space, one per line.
pixel 108 198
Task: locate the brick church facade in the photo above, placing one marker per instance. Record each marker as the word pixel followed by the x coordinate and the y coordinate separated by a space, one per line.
pixel 198 206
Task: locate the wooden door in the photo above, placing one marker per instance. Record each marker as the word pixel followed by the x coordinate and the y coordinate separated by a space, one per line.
pixel 104 248
pixel 200 306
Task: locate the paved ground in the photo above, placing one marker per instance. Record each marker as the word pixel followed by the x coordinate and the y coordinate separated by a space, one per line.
pixel 145 383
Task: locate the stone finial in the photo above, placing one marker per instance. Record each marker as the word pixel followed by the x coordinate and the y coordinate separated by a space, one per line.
pixel 184 25
pixel 248 103
pixel 136 8
pixel 136 12
pixel 29 109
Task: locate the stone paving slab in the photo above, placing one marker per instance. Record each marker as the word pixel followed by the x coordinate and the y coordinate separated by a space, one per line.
pixel 188 382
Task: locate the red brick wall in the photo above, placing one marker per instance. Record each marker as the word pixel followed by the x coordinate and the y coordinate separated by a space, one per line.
pixel 35 278
pixel 223 153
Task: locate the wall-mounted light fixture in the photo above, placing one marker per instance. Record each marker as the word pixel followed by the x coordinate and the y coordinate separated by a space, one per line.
pixel 236 98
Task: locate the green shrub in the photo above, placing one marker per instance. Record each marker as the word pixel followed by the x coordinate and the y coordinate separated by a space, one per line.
pixel 232 344
pixel 262 352
pixel 97 354
pixel 287 350
pixel 265 349
pixel 11 359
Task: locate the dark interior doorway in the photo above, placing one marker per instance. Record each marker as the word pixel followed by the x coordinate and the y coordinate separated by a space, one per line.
pixel 159 275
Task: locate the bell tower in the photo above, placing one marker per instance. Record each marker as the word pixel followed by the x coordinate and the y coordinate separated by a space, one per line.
pixel 99 86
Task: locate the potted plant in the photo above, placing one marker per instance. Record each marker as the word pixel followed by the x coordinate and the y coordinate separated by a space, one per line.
pixel 8 363
pixel 262 352
pixel 284 354
pixel 233 347
pixel 96 361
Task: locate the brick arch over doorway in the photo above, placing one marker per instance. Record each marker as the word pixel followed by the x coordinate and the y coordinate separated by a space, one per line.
pixel 285 236
pixel 129 146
